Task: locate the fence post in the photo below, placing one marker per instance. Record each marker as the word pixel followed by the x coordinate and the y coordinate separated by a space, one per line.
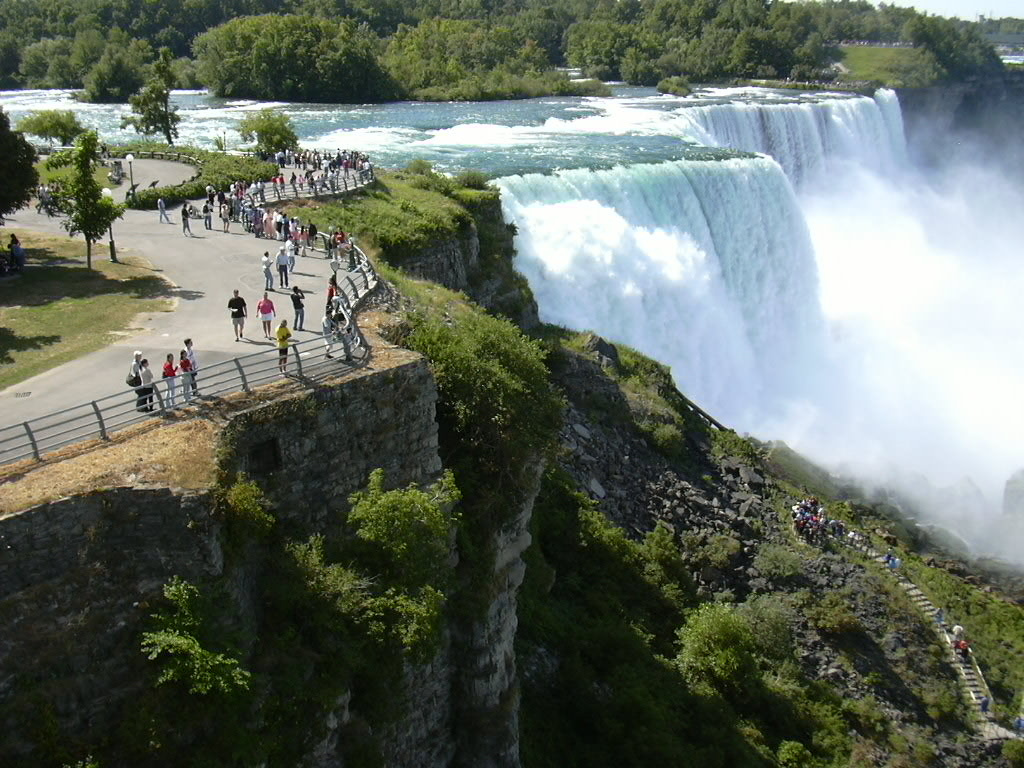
pixel 31 439
pixel 99 420
pixel 344 180
pixel 241 375
pixel 298 357
pixel 355 291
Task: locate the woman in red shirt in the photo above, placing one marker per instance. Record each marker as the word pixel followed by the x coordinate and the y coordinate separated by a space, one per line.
pixel 170 372
pixel 265 308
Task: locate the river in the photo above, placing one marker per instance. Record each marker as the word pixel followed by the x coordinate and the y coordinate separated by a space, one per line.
pixel 823 291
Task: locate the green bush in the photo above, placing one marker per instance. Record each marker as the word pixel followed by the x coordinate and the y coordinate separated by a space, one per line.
pixel 472 179
pixel 1013 753
pixel 778 563
pixel 717 648
pixel 677 86
pixel 410 528
pixel 184 658
pixel 720 550
pixel 793 754
pixel 833 615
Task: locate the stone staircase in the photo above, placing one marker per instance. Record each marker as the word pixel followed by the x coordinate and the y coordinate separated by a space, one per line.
pixel 972 681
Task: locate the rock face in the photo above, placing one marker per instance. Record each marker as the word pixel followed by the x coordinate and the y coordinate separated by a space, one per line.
pixel 488 703
pixel 449 262
pixel 1013 495
pixel 962 118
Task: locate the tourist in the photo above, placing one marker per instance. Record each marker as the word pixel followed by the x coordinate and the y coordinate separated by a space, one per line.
pixel 238 314
pixel 283 335
pixel 298 299
pixel 134 377
pixel 289 249
pixel 17 253
pixel 282 268
pixel 193 360
pixel 144 401
pixel 265 309
pixel 225 217
pixel 162 206
pixel 327 325
pixel 185 366
pixel 332 291
pixel 268 272
pixel 169 375
pixel 185 228
pixel 311 235
pixel 207 216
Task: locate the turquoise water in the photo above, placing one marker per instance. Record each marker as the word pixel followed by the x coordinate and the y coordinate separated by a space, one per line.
pixel 501 138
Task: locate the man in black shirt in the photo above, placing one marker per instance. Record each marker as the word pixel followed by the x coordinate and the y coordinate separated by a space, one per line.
pixel 238 314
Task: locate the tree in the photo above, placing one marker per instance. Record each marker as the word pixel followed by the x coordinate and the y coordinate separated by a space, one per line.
pixel 50 124
pixel 20 176
pixel 272 131
pixel 80 198
pixel 152 108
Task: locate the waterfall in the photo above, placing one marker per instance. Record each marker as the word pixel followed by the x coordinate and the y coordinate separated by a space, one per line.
pixel 704 265
pixel 808 139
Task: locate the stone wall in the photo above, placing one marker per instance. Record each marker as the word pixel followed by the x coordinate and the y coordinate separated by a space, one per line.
pixel 77 581
pixel 312 449
pixel 79 576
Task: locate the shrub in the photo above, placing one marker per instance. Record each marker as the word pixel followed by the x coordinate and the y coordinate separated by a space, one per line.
pixel 185 660
pixel 1013 752
pixel 473 179
pixel 410 527
pixel 793 754
pixel 777 563
pixel 833 616
pixel 717 647
pixel 720 550
pixel 677 86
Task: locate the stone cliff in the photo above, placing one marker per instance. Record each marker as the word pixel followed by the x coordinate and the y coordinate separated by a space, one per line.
pixel 959 119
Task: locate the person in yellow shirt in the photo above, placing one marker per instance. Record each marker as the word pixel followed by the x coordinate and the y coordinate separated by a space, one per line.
pixel 284 334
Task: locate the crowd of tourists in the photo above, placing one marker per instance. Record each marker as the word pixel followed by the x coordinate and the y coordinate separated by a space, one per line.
pixel 813 524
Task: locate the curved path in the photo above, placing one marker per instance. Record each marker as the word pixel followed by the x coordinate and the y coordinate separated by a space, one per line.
pixel 204 270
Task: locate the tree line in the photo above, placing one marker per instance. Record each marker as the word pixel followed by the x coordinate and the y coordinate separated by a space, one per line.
pixel 380 50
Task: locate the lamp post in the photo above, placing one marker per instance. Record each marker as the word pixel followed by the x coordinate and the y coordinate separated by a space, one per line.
pixel 113 250
pixel 131 176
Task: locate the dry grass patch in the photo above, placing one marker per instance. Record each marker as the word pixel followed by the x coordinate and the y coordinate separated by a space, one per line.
pixel 178 455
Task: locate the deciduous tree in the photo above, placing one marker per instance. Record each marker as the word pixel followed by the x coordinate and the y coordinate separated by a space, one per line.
pixel 20 176
pixel 80 198
pixel 50 124
pixel 271 130
pixel 151 106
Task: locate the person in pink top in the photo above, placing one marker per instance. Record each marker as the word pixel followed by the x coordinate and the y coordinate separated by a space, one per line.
pixel 265 308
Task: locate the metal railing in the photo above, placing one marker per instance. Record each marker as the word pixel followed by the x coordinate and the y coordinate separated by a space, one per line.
pixel 306 361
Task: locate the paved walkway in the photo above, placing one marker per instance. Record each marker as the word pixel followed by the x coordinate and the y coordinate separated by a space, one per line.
pixel 204 270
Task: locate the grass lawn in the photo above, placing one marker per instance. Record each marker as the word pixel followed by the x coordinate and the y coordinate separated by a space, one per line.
pixel 58 310
pixel 866 62
pixel 48 175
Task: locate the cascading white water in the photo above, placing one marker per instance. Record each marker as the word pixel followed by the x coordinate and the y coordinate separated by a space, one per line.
pixel 808 139
pixel 656 257
pixel 889 347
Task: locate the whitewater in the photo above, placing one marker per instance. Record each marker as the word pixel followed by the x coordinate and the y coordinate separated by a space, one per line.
pixel 825 293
